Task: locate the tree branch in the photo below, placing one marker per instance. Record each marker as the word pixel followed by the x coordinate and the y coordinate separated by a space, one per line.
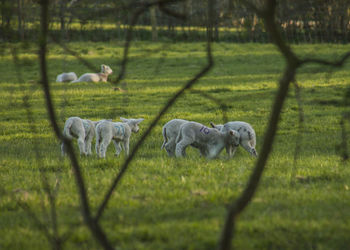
pixel 170 102
pixel 93 226
pixel 129 33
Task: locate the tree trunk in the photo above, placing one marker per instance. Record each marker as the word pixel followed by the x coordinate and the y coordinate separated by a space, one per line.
pixel 154 24
pixel 61 14
pixel 20 17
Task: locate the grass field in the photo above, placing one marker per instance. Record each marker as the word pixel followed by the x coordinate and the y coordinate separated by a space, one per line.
pixel 166 203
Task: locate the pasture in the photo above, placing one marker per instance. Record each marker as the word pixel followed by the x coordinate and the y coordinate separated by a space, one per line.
pixel 167 203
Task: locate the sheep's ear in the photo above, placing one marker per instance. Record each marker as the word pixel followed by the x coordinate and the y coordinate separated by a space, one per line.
pixel 232 132
pixel 124 119
pixel 212 125
pixel 139 120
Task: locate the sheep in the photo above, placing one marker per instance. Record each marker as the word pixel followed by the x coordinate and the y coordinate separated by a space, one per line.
pixel 66 77
pixel 170 131
pixel 247 136
pixel 96 77
pixel 107 131
pixel 81 129
pixel 209 141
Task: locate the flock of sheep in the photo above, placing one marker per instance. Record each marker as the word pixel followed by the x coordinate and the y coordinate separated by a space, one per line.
pixel 178 134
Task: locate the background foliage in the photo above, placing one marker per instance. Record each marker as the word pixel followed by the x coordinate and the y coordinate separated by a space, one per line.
pixel 300 21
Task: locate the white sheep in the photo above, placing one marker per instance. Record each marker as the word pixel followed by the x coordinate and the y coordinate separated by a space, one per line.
pixel 209 141
pixel 66 77
pixel 81 129
pixel 247 136
pixel 96 77
pixel 107 131
pixel 170 131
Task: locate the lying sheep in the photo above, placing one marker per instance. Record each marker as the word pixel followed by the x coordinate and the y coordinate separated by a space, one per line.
pixel 170 131
pixel 107 131
pixel 247 136
pixel 81 129
pixel 96 77
pixel 66 77
pixel 209 141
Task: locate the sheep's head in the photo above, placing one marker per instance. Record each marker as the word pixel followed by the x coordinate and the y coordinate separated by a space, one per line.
pixel 234 137
pixel 133 123
pixel 106 69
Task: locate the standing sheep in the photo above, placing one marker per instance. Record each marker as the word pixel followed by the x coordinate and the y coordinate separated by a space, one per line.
pixel 170 131
pixel 81 129
pixel 209 141
pixel 247 136
pixel 66 77
pixel 96 77
pixel 107 131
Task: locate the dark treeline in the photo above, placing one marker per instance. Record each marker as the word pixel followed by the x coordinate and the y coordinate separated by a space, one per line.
pixel 301 21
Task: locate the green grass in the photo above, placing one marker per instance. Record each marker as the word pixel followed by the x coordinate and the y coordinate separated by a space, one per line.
pixel 166 203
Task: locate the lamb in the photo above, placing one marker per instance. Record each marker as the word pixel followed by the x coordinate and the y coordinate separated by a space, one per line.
pixel 96 77
pixel 66 77
pixel 170 131
pixel 247 136
pixel 107 131
pixel 209 141
pixel 83 130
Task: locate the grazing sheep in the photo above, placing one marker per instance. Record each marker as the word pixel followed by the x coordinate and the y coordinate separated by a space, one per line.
pixel 209 141
pixel 170 131
pixel 66 77
pixel 247 136
pixel 81 129
pixel 107 131
pixel 96 77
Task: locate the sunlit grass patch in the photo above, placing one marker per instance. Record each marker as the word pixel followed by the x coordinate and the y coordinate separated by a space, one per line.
pixel 169 203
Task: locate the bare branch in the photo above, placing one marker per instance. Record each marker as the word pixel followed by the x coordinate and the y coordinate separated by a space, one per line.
pixel 93 226
pixel 289 75
pixel 301 119
pixel 54 238
pixel 170 12
pixel 338 63
pixel 293 63
pixel 217 101
pixel 170 102
pixel 343 144
pixel 75 54
pixel 129 34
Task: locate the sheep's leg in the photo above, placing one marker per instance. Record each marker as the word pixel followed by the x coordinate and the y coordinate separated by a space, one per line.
pixel 231 150
pixel 170 147
pixel 97 146
pixel 126 147
pixel 81 144
pixel 63 149
pixel 251 150
pixel 88 142
pixel 103 146
pixel 118 148
pixel 180 150
pixel 203 152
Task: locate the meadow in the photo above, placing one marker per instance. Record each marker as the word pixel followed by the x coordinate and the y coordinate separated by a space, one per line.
pixel 167 203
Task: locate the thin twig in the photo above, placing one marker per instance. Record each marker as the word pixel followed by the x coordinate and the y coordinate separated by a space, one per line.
pixel 170 102
pixel 217 101
pixel 129 34
pixel 293 63
pixel 94 227
pixel 298 143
